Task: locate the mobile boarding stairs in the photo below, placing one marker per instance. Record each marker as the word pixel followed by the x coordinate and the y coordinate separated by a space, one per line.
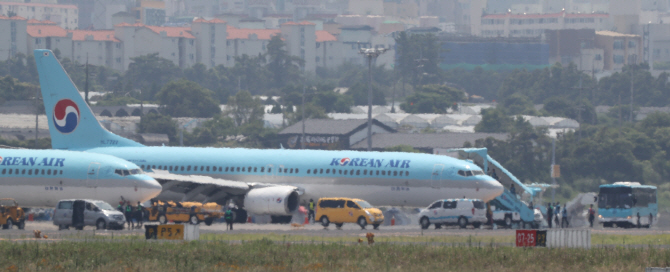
pixel 512 210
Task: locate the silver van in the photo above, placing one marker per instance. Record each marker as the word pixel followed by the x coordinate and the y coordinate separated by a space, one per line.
pixel 78 213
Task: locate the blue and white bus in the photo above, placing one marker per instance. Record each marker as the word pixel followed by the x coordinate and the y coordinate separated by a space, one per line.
pixel 627 204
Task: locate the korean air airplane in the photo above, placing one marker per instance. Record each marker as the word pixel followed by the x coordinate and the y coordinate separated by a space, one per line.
pixel 261 181
pixel 40 178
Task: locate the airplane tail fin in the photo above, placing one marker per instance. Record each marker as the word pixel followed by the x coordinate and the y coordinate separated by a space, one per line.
pixel 72 124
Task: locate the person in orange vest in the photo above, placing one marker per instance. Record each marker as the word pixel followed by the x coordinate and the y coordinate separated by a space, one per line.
pixel 592 215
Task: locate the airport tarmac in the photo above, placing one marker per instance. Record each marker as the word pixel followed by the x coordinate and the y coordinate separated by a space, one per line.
pixel 315 230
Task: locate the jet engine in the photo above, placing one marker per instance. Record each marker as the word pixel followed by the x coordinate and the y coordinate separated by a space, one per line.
pixel 273 200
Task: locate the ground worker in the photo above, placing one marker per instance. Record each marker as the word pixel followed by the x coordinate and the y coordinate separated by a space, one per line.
pixel 129 215
pixel 564 217
pixel 310 216
pixel 550 214
pixel 557 214
pixel 592 215
pixel 228 216
pixel 120 207
pixel 139 215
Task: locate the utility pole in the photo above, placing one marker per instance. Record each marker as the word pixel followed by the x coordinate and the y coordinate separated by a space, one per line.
pixel 553 162
pixel 86 86
pixel 302 139
pixel 370 54
pixel 632 75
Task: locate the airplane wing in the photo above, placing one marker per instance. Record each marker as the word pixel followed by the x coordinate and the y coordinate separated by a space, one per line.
pixel 193 187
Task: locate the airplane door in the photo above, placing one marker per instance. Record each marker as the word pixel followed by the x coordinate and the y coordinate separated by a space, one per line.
pixel 92 175
pixel 437 175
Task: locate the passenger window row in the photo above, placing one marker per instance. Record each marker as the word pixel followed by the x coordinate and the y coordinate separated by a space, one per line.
pixel 248 169
pixel 30 172
pixel 358 172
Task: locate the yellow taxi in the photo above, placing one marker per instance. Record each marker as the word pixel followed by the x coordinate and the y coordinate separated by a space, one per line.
pixel 340 210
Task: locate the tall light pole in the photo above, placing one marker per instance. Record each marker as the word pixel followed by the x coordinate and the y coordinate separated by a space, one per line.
pixel 370 54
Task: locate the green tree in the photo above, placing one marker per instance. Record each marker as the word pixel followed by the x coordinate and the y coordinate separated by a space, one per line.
pixel 283 67
pixel 359 92
pixel 494 120
pixel 187 99
pixel 149 73
pixel 158 123
pixel 245 109
pixel 432 99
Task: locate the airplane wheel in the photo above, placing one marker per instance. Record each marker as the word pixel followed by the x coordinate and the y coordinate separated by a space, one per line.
pixel 21 225
pixel 208 221
pixel 375 226
pixel 10 224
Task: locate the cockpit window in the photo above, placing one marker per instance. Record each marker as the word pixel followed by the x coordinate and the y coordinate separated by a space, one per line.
pixel 124 172
pixel 469 173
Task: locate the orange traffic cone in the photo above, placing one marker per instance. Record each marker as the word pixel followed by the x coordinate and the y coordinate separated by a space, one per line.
pixel 248 219
pixel 392 220
pixel 306 220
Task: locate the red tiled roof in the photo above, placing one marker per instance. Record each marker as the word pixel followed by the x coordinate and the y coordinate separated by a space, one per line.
pixel 200 20
pixel 39 31
pixel 324 36
pixel 217 21
pixel 34 22
pixel 2 17
pixel 174 32
pixel 38 5
pixel 243 33
pixel 98 35
pixel 300 23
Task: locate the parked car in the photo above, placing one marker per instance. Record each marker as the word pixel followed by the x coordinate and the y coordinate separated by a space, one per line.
pixel 78 213
pixel 461 212
pixel 340 210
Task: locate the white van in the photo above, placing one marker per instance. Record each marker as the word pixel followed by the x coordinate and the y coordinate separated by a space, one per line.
pixel 461 212
pixel 78 213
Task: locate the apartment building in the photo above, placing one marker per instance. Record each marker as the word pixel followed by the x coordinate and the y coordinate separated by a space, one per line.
pixel 300 40
pixel 48 35
pixel 97 47
pixel 619 49
pixel 65 16
pixel 210 41
pixel 173 43
pixel 15 32
pixel 534 25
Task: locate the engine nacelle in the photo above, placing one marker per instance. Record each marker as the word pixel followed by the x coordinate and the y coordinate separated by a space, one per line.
pixel 274 200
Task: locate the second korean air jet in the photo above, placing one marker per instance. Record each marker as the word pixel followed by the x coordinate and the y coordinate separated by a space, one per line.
pixel 261 181
pixel 40 178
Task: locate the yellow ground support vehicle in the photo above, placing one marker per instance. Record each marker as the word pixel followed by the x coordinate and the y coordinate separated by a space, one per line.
pixel 192 212
pixel 11 214
pixel 340 210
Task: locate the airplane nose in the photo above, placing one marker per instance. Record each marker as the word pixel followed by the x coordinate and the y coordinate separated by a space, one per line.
pixel 149 187
pixel 494 188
